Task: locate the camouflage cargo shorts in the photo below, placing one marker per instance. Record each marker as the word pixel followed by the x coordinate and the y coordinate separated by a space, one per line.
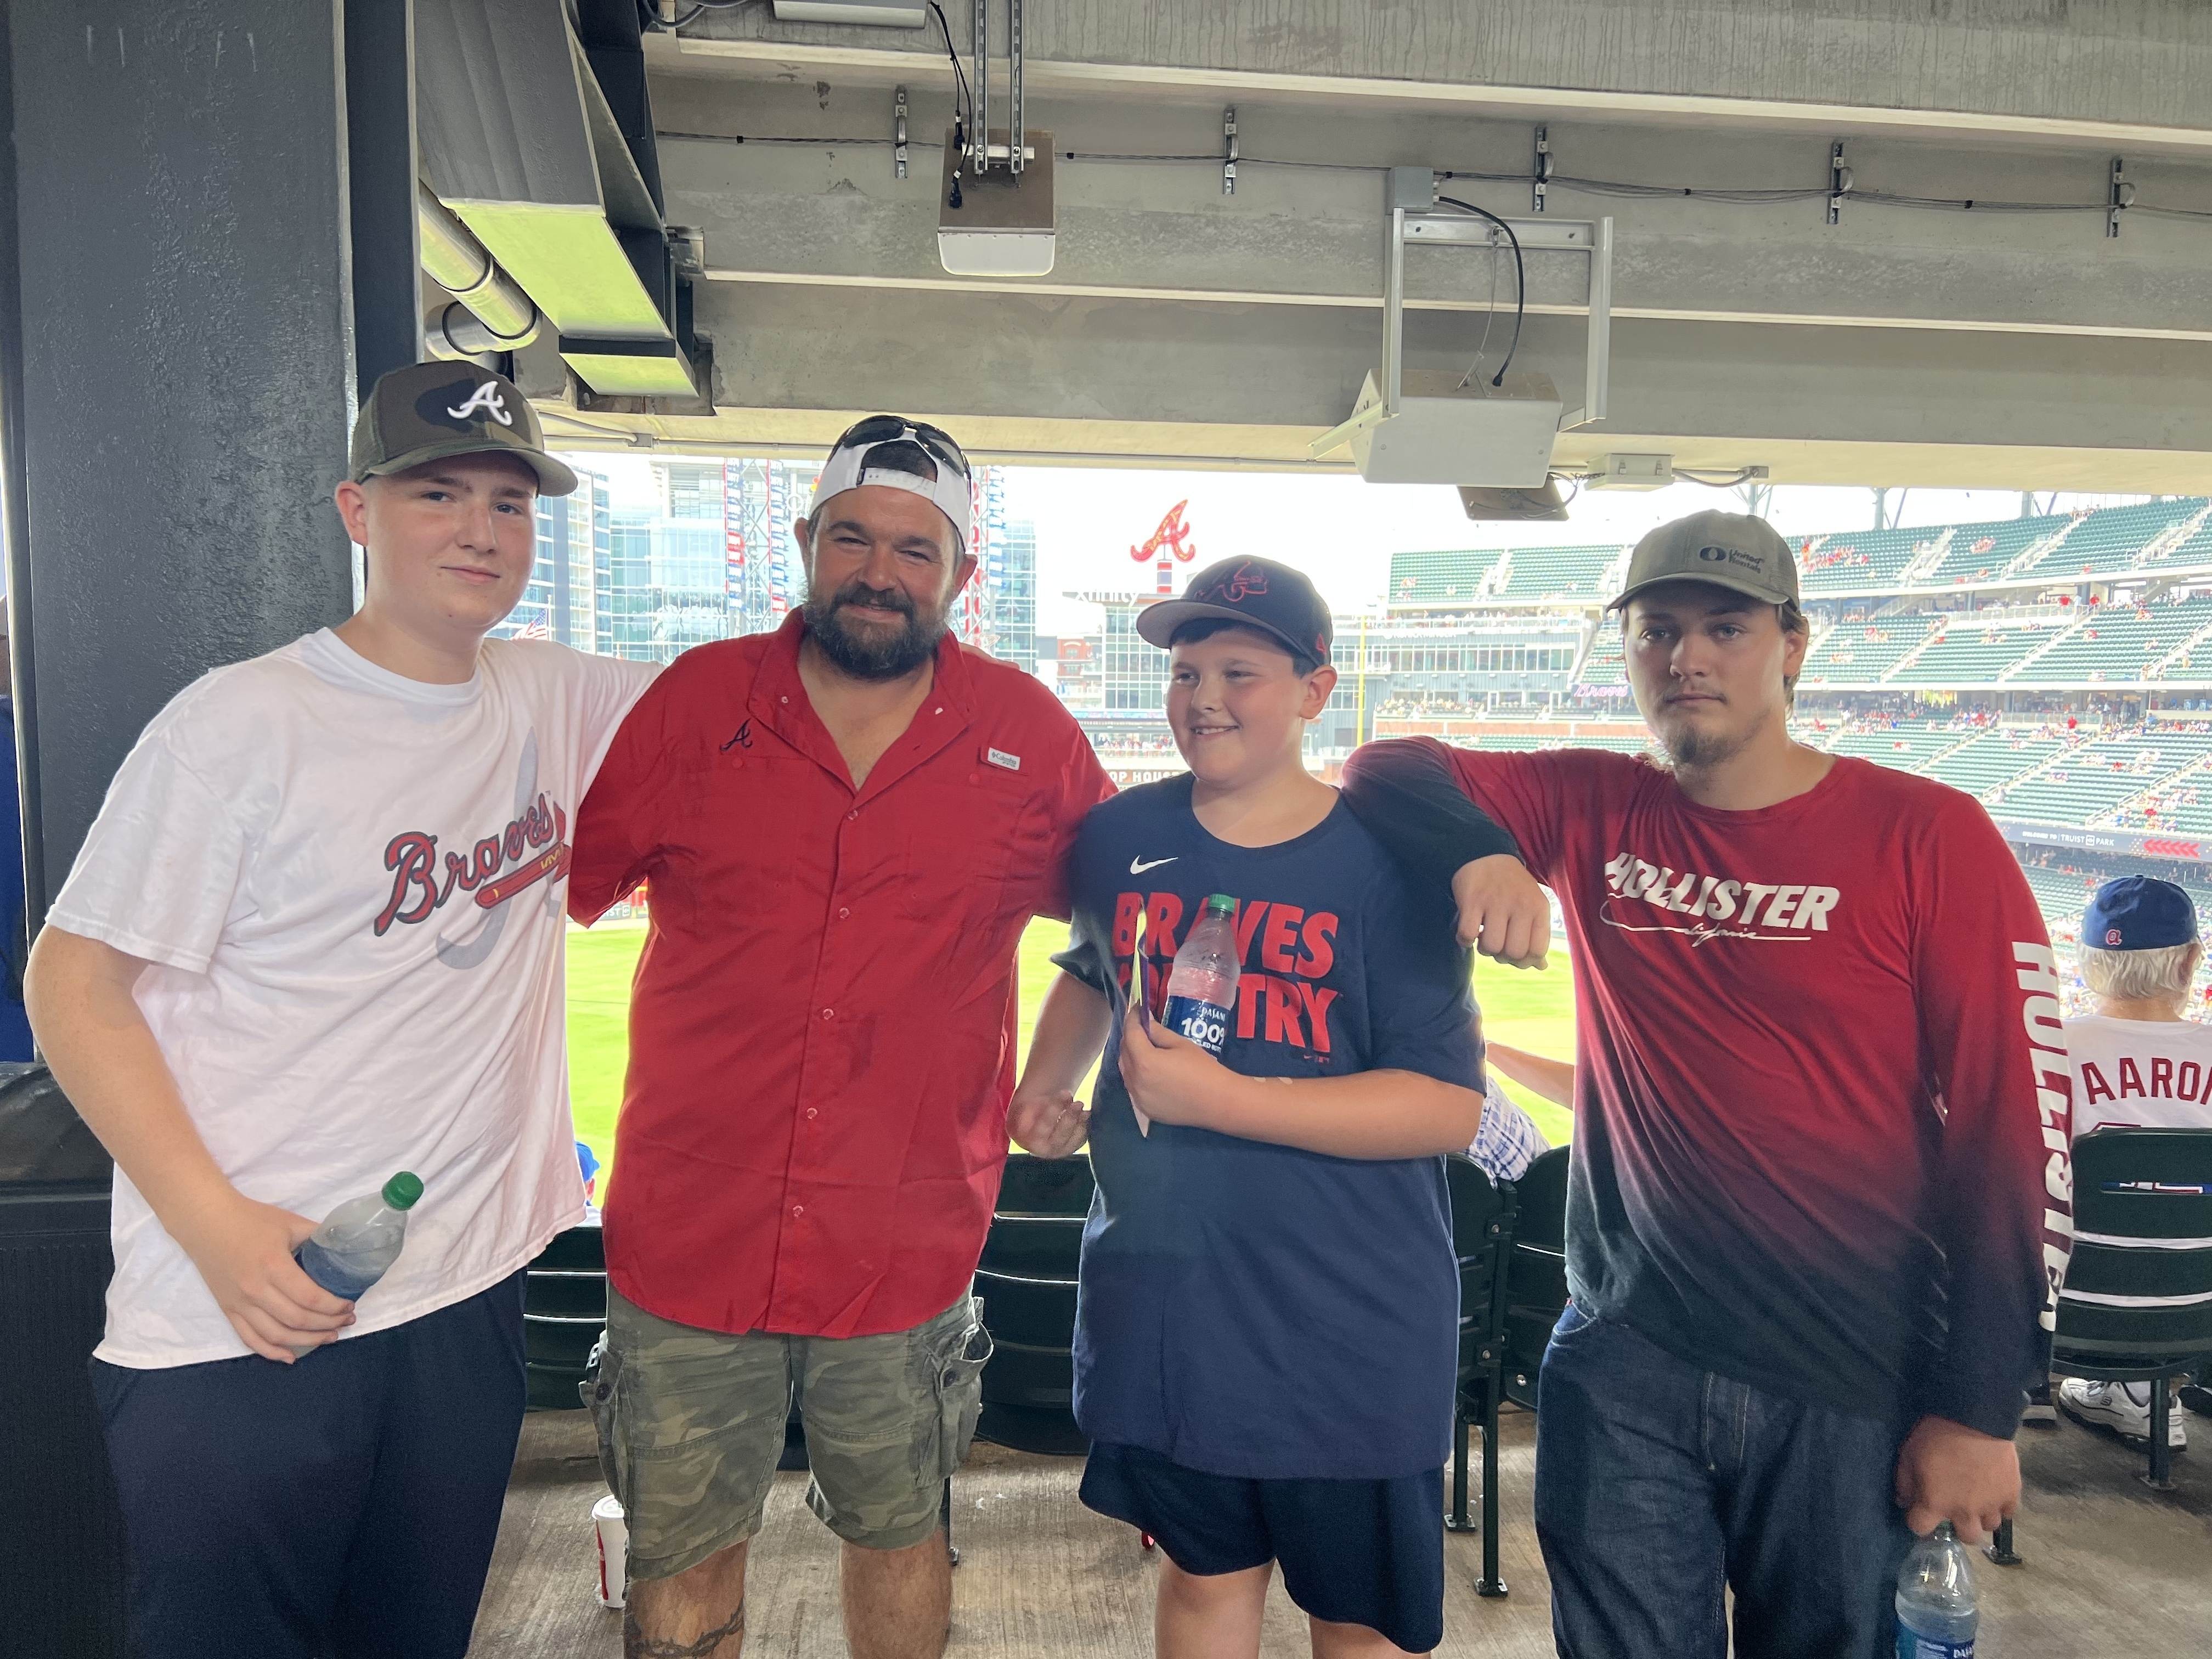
pixel 691 1424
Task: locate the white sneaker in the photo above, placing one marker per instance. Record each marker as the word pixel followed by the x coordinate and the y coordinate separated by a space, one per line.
pixel 2124 1408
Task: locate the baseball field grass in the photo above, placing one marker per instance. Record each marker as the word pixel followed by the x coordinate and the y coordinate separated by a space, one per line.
pixel 1532 1010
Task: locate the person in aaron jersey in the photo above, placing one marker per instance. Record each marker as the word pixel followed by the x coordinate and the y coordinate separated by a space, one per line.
pixel 1267 1333
pixel 2139 1063
pixel 314 938
pixel 1820 1191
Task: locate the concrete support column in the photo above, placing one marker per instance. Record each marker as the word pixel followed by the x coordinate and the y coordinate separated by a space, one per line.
pixel 180 262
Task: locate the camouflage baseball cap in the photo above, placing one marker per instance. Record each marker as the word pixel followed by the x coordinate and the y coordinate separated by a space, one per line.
pixel 428 411
pixel 1729 550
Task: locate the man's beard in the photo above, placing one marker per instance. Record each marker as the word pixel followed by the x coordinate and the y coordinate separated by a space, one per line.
pixel 1687 745
pixel 869 653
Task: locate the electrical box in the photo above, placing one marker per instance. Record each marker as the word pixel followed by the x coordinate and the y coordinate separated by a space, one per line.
pixel 1003 224
pixel 1632 473
pixel 1456 429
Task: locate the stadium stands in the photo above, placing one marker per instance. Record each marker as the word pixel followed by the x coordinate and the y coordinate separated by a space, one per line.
pixel 1860 653
pixel 1853 561
pixel 2114 644
pixel 1541 574
pixel 2159 537
pixel 1982 764
pixel 1445 580
pixel 1982 552
pixel 1907 750
pixel 2114 538
pixel 1965 653
pixel 1603 664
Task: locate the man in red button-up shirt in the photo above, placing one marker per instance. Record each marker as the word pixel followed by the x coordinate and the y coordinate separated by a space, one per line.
pixel 845 825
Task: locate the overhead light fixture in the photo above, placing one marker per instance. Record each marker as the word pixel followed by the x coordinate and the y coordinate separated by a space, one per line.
pixel 994 221
pixel 1632 473
pixel 1543 505
pixel 1460 429
pixel 881 14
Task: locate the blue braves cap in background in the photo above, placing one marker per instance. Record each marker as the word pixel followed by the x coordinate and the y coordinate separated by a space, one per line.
pixel 2138 913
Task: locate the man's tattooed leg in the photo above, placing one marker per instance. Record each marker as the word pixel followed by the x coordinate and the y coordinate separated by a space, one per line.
pixel 636 1645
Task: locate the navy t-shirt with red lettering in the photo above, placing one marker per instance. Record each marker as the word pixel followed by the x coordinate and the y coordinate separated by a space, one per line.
pixel 1247 1308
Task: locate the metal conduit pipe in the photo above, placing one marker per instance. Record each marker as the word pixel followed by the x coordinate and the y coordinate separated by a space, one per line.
pixel 507 318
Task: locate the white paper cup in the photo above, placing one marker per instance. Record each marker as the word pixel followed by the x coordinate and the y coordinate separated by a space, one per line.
pixel 614 1550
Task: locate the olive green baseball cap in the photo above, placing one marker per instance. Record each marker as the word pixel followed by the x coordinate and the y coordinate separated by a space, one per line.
pixel 429 411
pixel 1727 550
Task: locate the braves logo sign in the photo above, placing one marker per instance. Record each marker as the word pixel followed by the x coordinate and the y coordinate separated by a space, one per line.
pixel 1173 536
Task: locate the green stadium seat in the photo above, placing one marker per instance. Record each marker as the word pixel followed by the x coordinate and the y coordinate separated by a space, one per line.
pixel 1482 1216
pixel 2125 1249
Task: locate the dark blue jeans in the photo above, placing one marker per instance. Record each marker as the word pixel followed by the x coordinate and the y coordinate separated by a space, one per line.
pixel 1659 1486
pixel 344 1506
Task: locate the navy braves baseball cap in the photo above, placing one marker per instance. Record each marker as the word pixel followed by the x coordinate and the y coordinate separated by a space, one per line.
pixel 1257 592
pixel 2139 913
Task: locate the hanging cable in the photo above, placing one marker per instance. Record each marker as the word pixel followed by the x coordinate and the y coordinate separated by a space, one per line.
pixel 1520 281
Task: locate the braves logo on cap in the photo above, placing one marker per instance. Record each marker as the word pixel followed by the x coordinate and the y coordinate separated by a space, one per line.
pixel 463 405
pixel 2113 936
pixel 1242 583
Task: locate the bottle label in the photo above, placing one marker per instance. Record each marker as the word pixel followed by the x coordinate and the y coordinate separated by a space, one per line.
pixel 1911 1645
pixel 1205 1023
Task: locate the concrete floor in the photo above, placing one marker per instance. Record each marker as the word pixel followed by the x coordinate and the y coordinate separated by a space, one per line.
pixel 2111 1567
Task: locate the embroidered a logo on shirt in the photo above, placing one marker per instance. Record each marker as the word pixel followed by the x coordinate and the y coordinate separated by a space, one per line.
pixel 1713 907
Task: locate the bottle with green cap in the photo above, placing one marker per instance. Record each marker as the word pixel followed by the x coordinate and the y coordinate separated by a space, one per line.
pixel 360 1239
pixel 1202 984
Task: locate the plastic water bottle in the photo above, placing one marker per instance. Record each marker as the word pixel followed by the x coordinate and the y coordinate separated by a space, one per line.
pixel 360 1240
pixel 1202 984
pixel 1936 1610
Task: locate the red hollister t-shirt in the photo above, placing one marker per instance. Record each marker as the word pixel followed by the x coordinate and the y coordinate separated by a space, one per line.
pixel 1822 1096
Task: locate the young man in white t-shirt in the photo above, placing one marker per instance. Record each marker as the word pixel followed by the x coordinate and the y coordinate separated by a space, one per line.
pixel 314 938
pixel 2138 1063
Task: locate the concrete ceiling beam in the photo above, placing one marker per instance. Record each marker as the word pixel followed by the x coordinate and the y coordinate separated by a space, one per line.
pixel 2098 71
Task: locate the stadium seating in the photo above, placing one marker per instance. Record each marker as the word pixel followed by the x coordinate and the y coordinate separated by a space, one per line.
pixel 1429 580
pixel 1556 573
pixel 1908 751
pixel 2114 644
pixel 2115 539
pixel 1603 666
pixel 1967 655
pixel 1853 561
pixel 1982 763
pixel 1860 653
pixel 1979 552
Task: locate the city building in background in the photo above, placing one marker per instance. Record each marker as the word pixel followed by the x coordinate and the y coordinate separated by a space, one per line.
pixel 562 600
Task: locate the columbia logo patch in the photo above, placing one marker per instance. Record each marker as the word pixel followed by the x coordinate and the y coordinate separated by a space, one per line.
pixel 1000 757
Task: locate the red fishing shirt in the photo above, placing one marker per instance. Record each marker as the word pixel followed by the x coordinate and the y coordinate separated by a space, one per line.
pixel 822 1029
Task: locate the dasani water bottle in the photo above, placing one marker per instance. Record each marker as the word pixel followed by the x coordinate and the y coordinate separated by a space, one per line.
pixel 360 1239
pixel 1935 1609
pixel 1202 984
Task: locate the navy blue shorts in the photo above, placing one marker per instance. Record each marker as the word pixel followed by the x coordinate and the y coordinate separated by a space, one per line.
pixel 1353 1551
pixel 344 1506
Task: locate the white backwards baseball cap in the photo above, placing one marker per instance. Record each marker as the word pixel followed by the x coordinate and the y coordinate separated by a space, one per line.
pixel 848 468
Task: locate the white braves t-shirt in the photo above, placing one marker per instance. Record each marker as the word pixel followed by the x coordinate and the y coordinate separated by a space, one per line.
pixel 351 885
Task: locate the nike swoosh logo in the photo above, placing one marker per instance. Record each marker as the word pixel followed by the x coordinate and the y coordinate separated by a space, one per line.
pixel 1137 869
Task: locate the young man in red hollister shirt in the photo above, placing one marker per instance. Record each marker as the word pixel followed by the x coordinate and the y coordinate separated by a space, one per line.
pixel 1820 1194
pixel 846 824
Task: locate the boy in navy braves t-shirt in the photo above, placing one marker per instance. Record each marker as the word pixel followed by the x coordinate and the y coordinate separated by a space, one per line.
pixel 1267 1330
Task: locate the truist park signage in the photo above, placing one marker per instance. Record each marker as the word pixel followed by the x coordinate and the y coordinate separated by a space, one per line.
pixel 2139 843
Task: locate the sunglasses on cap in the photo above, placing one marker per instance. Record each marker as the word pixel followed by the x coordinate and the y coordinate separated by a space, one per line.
pixel 891 429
